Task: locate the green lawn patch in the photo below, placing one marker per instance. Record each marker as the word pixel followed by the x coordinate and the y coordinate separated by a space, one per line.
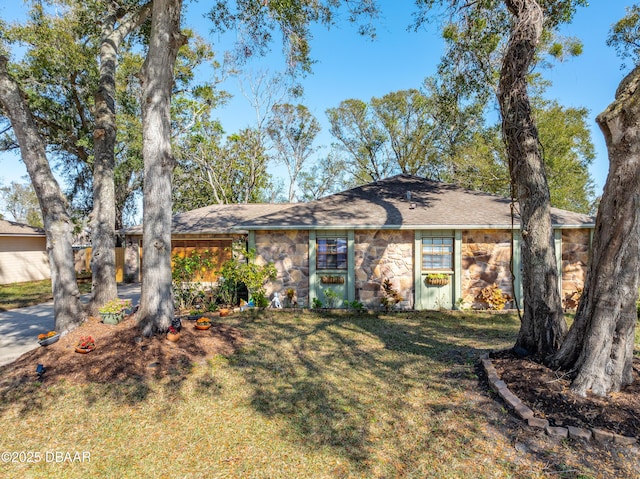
pixel 310 395
pixel 20 295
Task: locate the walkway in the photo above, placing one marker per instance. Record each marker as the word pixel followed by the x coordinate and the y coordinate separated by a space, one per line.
pixel 19 328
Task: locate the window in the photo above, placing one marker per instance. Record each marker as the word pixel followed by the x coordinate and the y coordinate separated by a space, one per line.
pixel 437 253
pixel 331 253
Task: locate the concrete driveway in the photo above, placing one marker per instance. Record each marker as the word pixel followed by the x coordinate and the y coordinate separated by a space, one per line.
pixel 19 328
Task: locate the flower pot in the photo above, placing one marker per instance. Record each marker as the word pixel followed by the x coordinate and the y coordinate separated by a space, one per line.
pixel 203 327
pixel 84 350
pixel 49 340
pixel 438 281
pixel 173 336
pixel 112 318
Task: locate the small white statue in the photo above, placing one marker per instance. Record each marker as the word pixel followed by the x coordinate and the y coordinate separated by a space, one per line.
pixel 275 302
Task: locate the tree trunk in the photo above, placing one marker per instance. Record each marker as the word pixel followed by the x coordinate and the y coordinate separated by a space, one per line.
pixel 68 310
pixel 543 326
pixel 599 346
pixel 103 259
pixel 156 302
pixel 103 255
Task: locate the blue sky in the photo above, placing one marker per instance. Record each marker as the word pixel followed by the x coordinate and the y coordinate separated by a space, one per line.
pixel 350 66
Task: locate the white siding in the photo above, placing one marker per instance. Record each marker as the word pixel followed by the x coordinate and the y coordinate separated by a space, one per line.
pixel 23 259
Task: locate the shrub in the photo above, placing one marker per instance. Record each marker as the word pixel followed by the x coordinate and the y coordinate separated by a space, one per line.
pixel 494 297
pixel 391 296
pixel 186 270
pixel 333 298
pixel 354 305
pixel 290 297
pixel 242 271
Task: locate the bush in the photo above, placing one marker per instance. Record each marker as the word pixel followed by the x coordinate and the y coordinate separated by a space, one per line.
pixel 187 290
pixel 354 305
pixel 241 271
pixel 494 297
pixel 333 298
pixel 391 296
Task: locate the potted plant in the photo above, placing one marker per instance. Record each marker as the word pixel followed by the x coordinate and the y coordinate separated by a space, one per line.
pixel 173 334
pixel 203 323
pixel 290 294
pixel 113 311
pixel 438 279
pixel 391 296
pixel 85 345
pixel 48 338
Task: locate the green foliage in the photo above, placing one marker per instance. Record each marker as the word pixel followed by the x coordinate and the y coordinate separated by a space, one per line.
pixel 316 303
pixel 260 299
pixel 257 19
pixel 625 35
pixel 361 138
pixel 391 296
pixel 185 273
pixel 354 305
pixel 115 306
pixel 293 129
pixel 437 276
pixel 333 298
pixel 21 202
pixel 208 170
pixel 476 35
pixel 568 152
pixel 326 177
pixel 406 118
pixel 243 270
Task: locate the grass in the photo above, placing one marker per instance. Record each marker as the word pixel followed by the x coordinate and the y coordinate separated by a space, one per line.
pixel 311 395
pixel 20 295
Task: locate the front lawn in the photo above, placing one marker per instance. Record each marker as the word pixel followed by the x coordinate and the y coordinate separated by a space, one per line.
pixel 20 295
pixel 309 395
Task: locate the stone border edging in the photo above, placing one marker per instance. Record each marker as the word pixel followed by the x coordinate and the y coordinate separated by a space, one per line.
pixel 525 413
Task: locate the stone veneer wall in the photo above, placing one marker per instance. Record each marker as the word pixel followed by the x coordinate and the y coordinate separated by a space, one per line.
pixel 575 257
pixel 289 251
pixel 381 255
pixel 486 258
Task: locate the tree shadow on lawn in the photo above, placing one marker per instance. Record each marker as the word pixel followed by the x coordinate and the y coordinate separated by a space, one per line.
pixel 364 383
pixel 121 368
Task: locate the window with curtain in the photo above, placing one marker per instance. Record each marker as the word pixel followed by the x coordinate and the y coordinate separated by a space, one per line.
pixel 437 253
pixel 331 253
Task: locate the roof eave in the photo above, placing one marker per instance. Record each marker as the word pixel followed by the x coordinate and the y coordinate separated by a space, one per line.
pixel 406 227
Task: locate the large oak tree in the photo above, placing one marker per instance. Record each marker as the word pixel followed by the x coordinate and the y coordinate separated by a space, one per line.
pixel 68 309
pixel 599 346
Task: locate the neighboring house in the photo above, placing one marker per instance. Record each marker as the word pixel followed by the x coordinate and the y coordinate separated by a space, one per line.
pixel 23 253
pixel 401 228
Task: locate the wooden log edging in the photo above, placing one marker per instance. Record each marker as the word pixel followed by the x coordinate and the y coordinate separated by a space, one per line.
pixel 525 413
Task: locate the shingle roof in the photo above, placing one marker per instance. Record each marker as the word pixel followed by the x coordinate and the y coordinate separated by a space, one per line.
pixel 407 202
pixel 218 219
pixel 399 202
pixel 11 228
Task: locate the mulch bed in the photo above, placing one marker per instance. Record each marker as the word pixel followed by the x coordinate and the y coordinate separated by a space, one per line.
pixel 547 393
pixel 122 353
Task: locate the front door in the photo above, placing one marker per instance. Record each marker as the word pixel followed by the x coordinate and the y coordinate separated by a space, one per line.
pixel 437 274
pixel 331 270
